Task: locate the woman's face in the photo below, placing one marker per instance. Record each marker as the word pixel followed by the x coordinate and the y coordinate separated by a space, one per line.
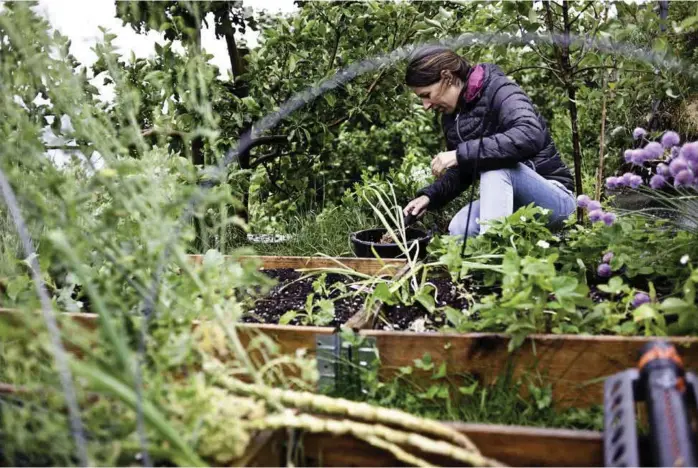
pixel 441 96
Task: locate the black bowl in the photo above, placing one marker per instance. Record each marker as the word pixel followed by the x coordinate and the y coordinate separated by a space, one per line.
pixel 364 241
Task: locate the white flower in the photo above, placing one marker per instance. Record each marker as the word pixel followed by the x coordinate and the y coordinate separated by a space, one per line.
pixel 684 260
pixel 545 211
pixel 419 325
pixel 523 218
pixel 542 244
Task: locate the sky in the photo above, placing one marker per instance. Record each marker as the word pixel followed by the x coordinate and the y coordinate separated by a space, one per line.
pixel 80 20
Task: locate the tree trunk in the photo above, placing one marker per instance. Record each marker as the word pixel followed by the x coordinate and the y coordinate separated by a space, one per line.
pixel 576 147
pixel 236 63
pixel 602 142
pixel 571 89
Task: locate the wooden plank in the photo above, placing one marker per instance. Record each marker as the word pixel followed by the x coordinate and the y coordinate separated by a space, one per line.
pixel 290 339
pixel 528 446
pixel 575 365
pixel 512 445
pixel 265 449
pixel 368 266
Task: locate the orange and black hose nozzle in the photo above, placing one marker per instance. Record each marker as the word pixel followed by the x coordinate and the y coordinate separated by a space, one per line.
pixel 669 393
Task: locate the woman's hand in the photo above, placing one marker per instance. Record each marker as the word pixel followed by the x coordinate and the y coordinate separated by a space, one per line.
pixel 417 207
pixel 443 161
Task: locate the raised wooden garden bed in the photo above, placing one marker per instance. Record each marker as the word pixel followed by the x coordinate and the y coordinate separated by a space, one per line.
pixel 574 365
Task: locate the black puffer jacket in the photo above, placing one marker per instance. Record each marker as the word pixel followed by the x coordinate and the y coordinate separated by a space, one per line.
pixel 512 132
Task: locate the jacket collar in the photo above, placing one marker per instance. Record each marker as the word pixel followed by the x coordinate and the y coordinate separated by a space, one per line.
pixel 474 85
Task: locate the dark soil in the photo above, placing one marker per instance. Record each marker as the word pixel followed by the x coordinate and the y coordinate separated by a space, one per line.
pixel 290 294
pixel 448 293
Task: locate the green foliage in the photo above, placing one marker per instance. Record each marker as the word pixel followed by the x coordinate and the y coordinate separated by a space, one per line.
pixel 427 388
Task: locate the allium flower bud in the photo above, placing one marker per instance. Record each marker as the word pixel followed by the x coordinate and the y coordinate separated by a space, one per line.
pixel 628 155
pixel 583 201
pixel 609 218
pixel 670 139
pixel 640 298
pixel 635 181
pixel 663 170
pixel 689 151
pixel 675 152
pixel 638 133
pixel 677 165
pixel 607 257
pixel 657 181
pixel 593 205
pixel 684 178
pixel 611 182
pixel 653 150
pixel 604 270
pixel 596 216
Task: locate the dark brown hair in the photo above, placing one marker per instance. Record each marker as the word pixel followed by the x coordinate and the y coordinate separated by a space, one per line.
pixel 426 63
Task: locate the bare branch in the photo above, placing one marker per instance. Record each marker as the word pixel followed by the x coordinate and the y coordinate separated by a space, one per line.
pixel 574 20
pixel 162 131
pixel 534 67
pixel 63 147
pixel 265 158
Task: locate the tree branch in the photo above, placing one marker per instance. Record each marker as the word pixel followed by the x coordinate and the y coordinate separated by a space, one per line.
pixel 63 147
pixel 267 157
pixel 574 20
pixel 163 131
pixel 535 67
pixel 337 36
pixel 363 101
pixel 606 67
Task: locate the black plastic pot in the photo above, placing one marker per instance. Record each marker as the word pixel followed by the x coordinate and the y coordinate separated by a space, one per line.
pixel 365 241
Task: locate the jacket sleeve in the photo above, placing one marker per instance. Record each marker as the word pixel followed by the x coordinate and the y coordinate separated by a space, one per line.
pixel 444 189
pixel 520 134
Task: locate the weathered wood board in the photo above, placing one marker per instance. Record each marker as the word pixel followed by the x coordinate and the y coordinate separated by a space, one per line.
pixel 512 445
pixel 575 365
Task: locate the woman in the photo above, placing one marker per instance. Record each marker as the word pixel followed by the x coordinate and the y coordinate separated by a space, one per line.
pixel 518 163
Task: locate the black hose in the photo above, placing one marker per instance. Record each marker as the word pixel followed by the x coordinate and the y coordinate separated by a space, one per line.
pixel 472 186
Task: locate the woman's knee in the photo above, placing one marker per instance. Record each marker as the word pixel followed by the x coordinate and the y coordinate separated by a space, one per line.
pixel 459 222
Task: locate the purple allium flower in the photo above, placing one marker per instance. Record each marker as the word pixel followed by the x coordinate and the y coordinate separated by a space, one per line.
pixel 593 205
pixel 638 133
pixel 689 151
pixel 684 177
pixel 677 165
pixel 657 181
pixel 638 157
pixel 612 182
pixel 583 201
pixel 596 216
pixel 640 298
pixel 670 139
pixel 607 257
pixel 627 177
pixel 675 152
pixel 663 170
pixel 635 181
pixel 653 150
pixel 604 270
pixel 628 155
pixel 609 218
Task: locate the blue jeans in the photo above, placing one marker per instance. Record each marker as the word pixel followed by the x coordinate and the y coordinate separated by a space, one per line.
pixel 503 191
